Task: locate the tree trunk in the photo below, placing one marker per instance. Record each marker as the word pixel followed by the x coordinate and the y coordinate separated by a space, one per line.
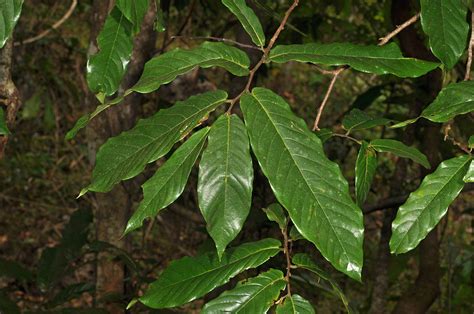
pixel 112 209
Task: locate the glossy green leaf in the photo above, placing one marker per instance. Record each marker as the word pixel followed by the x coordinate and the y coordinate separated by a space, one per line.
pixel 453 100
pixel 470 142
pixel 248 19
pixel 254 296
pixel 189 278
pixel 295 304
pixel 10 11
pixel 276 213
pixel 225 180
pixel 126 155
pixel 166 67
pixel 134 11
pixel 359 120
pixel 444 21
pixel 3 123
pixel 169 180
pixel 386 59
pixel 303 261
pixel 401 150
pixel 304 180
pixel 366 165
pixel 428 204
pixel 469 177
pixel 106 68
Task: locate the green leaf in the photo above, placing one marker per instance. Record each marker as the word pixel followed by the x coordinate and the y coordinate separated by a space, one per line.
pixel 453 100
pixel 75 233
pixel 444 21
pixel 169 180
pixel 324 134
pixel 359 120
pixel 10 11
pixel 401 150
pixel 470 142
pixel 166 67
pixel 304 180
pixel 52 265
pixel 3 123
pixel 366 165
pixel 126 155
pixel 248 19
pixel 386 59
pixel 276 213
pixel 106 68
pixel 254 296
pixel 428 204
pixel 189 278
pixel 303 261
pixel 295 304
pixel 225 180
pixel 134 11
pixel 14 270
pixel 469 177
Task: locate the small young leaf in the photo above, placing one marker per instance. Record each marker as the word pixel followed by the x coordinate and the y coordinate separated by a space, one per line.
pixel 428 204
pixel 126 155
pixel 444 21
pixel 304 180
pixel 304 261
pixel 359 120
pixel 380 60
pixel 453 100
pixel 10 11
pixel 134 11
pixel 225 180
pixel 469 177
pixel 169 180
pixel 3 123
pixel 295 304
pixel 276 213
pixel 470 142
pixel 256 295
pixel 166 67
pixel 401 150
pixel 248 19
pixel 366 165
pixel 189 278
pixel 106 68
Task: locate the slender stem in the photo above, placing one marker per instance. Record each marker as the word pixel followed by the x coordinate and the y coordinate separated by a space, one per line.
pixel 469 51
pixel 348 137
pixel 286 250
pixel 399 28
pixel 264 57
pixel 219 39
pixel 55 26
pixel 326 98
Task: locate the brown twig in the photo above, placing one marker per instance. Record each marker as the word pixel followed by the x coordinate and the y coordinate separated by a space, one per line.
pixel 56 25
pixel 399 28
pixel 453 140
pixel 326 97
pixel 219 39
pixel 266 51
pixel 469 51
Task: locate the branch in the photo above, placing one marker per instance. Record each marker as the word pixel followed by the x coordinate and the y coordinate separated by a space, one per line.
pixel 326 98
pixel 469 52
pixel 287 251
pixel 55 26
pixel 399 28
pixel 266 51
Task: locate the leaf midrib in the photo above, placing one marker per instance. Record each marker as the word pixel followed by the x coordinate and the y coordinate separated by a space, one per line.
pixel 304 178
pixel 260 290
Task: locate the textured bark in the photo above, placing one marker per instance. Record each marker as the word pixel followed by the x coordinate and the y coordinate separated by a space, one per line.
pixel 113 209
pixel 9 96
pixel 422 294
